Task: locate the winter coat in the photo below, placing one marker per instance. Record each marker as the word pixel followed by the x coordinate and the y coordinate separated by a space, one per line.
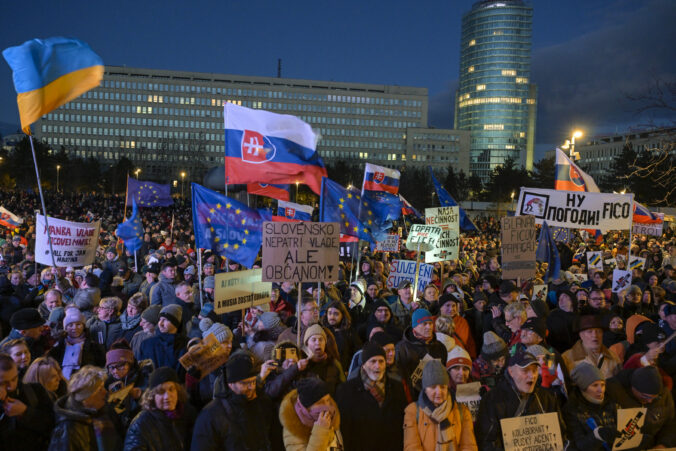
pixel 576 412
pixel 33 429
pixel 328 370
pixel 562 334
pixel 420 432
pixel 364 424
pixel 611 362
pixel 152 430
pixel 299 437
pixel 348 343
pixel 132 285
pixel 502 402
pixel 463 334
pixel 263 342
pixel 104 332
pixel 410 350
pixel 135 343
pixel 86 298
pixel 164 350
pixel 92 353
pixel 232 423
pixel 660 419
pixel 74 429
pixel 163 292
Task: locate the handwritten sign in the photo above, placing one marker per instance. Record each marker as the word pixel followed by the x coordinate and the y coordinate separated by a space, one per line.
pixel 240 289
pixel 532 432
pixel 389 244
pixel 300 251
pixel 73 243
pixel 519 242
pixel 448 219
pixel 621 280
pixel 629 424
pixel 405 270
pixel 422 237
pixel 468 394
pixel 206 356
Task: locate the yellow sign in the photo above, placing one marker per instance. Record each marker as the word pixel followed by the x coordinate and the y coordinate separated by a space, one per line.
pixel 240 289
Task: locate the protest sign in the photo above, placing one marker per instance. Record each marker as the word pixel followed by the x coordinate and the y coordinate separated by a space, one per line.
pixel 422 237
pixel 240 289
pixel 448 219
pixel 207 356
pixel 649 229
pixel 416 376
pixel 468 394
pixel 621 280
pixel 594 260
pixel 578 210
pixel 629 424
pixel 348 249
pixel 116 399
pixel 532 432
pixel 389 244
pixel 581 277
pixel 518 239
pixel 637 262
pixel 562 234
pixel 610 263
pixel 539 293
pixel 73 243
pixel 300 251
pixel 405 270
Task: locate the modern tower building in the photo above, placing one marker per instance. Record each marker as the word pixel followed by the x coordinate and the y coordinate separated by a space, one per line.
pixel 496 100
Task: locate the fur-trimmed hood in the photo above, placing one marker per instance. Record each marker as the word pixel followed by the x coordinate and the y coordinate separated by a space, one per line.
pixel 291 422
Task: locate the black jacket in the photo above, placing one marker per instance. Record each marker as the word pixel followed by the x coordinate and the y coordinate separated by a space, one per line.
pixel 576 412
pixel 561 325
pixel 367 426
pixel 92 353
pixel 33 429
pixel 152 430
pixel 410 351
pixel 74 429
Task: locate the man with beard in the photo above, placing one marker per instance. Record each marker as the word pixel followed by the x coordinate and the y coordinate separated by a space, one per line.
pixel 338 321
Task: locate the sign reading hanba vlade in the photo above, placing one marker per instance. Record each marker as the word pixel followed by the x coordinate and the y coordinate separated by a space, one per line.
pixel 300 251
pixel 240 289
pixel 73 243
pixel 422 237
pixel 577 210
pixel 448 219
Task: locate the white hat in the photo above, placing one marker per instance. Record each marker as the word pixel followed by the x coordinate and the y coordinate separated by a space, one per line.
pixel 458 356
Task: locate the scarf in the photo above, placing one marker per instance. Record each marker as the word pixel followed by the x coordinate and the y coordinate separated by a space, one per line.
pixel 439 415
pixel 308 416
pixel 376 389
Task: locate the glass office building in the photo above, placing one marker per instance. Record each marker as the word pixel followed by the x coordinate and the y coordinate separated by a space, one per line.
pixel 496 100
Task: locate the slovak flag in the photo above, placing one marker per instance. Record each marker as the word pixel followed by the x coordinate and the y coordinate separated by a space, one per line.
pixel 293 212
pixel 265 147
pixel 569 177
pixel 279 192
pixel 379 178
pixel 9 219
pixel 644 216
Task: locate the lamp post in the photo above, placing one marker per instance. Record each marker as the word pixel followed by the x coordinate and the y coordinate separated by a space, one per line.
pixel 570 145
pixel 182 182
pixel 512 196
pixel 296 192
pixel 137 172
pixel 58 170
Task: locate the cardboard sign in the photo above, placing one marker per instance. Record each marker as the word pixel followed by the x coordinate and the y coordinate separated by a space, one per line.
pixel 629 424
pixel 405 270
pixel 240 289
pixel 422 237
pixel 390 244
pixel 116 399
pixel 539 293
pixel 206 356
pixel 300 251
pixel 594 260
pixel 73 243
pixel 468 394
pixel 580 277
pixel 519 242
pixel 649 229
pixel 621 280
pixel 448 218
pixel 348 249
pixel 416 376
pixel 532 432
pixel 577 210
pixel 610 263
pixel 637 262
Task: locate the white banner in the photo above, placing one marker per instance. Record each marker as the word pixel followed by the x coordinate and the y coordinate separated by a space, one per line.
pixel 422 237
pixel 74 243
pixel 448 219
pixel 578 210
pixel 405 270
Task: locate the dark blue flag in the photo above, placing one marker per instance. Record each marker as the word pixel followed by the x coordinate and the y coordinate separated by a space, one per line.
pixel 446 200
pixel 227 227
pixel 547 252
pixel 149 194
pixel 337 204
pixel 131 230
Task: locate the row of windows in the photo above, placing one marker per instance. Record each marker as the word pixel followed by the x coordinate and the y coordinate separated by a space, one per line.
pixel 435 137
pixel 481 100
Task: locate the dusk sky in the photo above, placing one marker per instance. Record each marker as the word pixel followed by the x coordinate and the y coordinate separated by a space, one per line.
pixel 588 56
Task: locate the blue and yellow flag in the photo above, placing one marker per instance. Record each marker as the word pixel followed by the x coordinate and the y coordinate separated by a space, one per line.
pixel 149 194
pixel 50 72
pixel 131 230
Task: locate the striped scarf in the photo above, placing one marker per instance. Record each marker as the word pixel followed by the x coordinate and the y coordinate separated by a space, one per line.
pixel 377 389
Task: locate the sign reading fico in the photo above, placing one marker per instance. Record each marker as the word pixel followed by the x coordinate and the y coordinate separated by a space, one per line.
pixel 448 219
pixel 300 251
pixel 518 246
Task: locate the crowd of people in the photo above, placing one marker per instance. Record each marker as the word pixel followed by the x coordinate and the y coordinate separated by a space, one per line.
pixel 90 357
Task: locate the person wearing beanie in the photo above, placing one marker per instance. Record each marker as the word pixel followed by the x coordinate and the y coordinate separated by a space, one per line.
pixel 150 274
pixel 310 417
pixel 239 418
pixel 419 340
pixel 561 322
pixel 27 323
pixel 83 418
pixel 262 338
pixel 372 404
pixel 168 344
pixel 167 418
pixel 435 421
pixel 382 314
pixel 614 332
pixel 148 324
pixel 516 394
pixel 356 303
pixel 587 399
pixel 590 348
pixel 322 361
pixel 339 322
pixel 459 366
pixel 488 368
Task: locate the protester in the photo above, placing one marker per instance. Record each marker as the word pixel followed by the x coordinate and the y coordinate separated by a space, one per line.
pixel 47 372
pixel 168 344
pixel 323 362
pixel 105 327
pixel 18 350
pixel 590 348
pixel 130 319
pixel 29 325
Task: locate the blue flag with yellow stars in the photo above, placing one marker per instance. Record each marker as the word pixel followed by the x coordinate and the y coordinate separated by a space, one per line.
pixel 227 227
pixel 149 194
pixel 131 230
pixel 338 204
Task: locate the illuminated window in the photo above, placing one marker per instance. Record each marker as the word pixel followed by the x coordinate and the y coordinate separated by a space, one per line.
pixel 470 102
pixel 510 147
pixel 522 134
pixel 472 42
pixel 521 80
pixel 480 87
pixel 508 73
pixel 530 101
pixel 470 69
pixel 494 126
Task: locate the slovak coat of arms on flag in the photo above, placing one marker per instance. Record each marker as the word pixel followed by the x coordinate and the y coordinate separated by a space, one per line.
pixel 256 148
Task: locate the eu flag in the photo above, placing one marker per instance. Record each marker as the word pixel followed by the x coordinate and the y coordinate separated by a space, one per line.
pixel 548 252
pixel 131 230
pixel 149 194
pixel 337 204
pixel 227 227
pixel 446 200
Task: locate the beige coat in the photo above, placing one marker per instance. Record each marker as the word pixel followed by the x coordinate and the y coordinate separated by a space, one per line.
pixel 421 435
pixel 577 354
pixel 297 436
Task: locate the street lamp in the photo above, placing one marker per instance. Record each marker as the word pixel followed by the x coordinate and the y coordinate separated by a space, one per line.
pixel 182 180
pixel 570 144
pixel 58 169
pixel 137 172
pixel 512 196
pixel 296 191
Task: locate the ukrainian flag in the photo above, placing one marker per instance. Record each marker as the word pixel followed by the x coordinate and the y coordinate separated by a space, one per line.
pixel 49 73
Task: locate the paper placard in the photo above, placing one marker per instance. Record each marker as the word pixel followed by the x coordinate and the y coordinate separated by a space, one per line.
pixel 469 395
pixel 206 356
pixel 649 229
pixel 390 244
pixel 629 424
pixel 621 280
pixel 422 237
pixel 240 289
pixel 73 243
pixel 637 262
pixel 405 270
pixel 533 432
pixel 519 242
pixel 594 260
pixel 446 248
pixel 539 293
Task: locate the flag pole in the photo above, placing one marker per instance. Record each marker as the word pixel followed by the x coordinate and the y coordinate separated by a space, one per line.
pixel 126 199
pixel 171 231
pixel 199 274
pixel 417 273
pixel 135 262
pixel 42 200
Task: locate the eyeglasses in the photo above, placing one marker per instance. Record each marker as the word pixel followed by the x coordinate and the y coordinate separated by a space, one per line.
pixel 117 366
pixel 313 310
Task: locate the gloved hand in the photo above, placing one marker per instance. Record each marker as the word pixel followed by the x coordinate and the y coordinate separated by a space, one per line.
pixel 547 377
pixel 605 434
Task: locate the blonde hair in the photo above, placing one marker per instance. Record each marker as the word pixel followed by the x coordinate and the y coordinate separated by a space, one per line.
pixel 445 325
pixel 85 382
pixel 39 370
pixel 112 301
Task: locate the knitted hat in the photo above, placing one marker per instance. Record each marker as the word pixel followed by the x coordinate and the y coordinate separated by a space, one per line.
pixel 493 346
pixel 522 359
pixel 538 350
pixel 536 325
pixel 421 316
pixel 56 317
pixel 647 380
pixel 315 329
pixel 73 315
pixel 207 308
pixel 458 356
pixel 445 298
pixel 359 284
pixel 383 338
pixel 152 314
pixel 311 390
pixel 220 331
pixel 404 284
pixel 270 320
pixel 507 286
pixel 648 332
pixel 119 355
pixel 479 296
pixel 371 349
pixel 434 373
pixel 239 367
pixel 585 374
pixel 209 282
pixel 26 318
pixel 173 313
pixel 190 270
pixel 162 375
pixel 541 309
